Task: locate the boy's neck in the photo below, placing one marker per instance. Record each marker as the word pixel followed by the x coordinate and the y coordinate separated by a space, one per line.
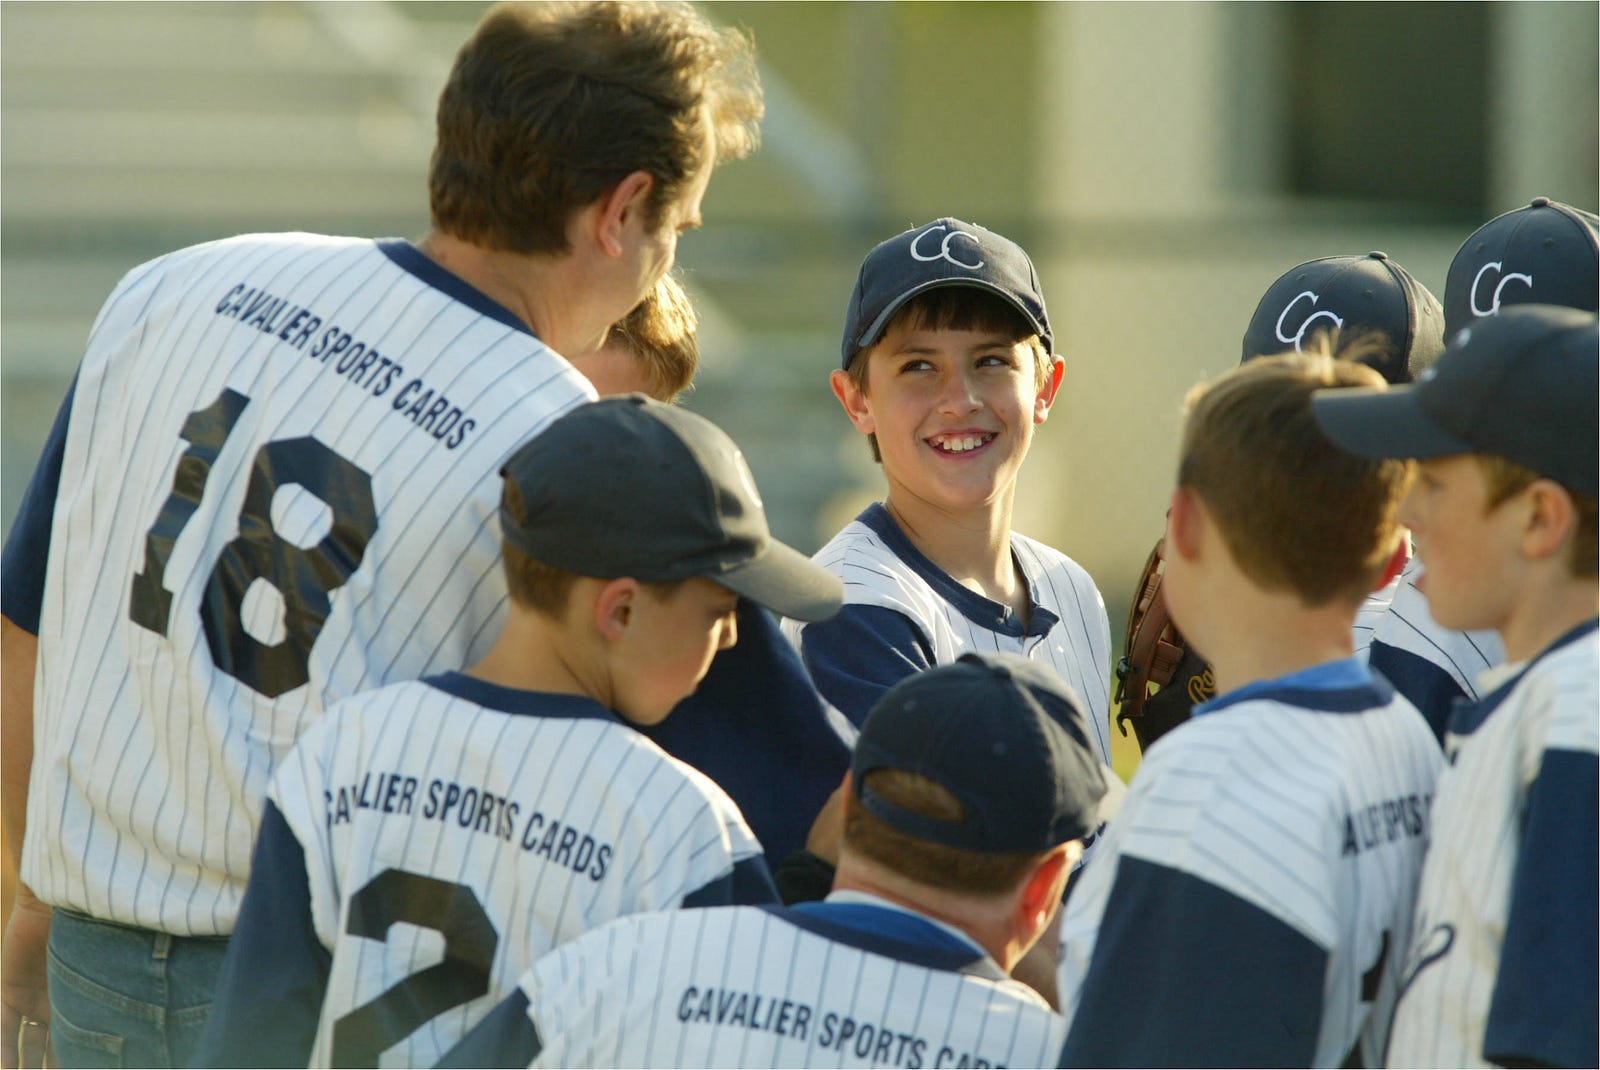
pixel 973 548
pixel 1550 607
pixel 532 654
pixel 1262 635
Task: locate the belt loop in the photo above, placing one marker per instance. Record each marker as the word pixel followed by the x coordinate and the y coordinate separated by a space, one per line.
pixel 163 946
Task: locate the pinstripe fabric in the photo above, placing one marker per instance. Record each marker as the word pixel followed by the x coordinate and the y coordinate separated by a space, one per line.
pixel 880 568
pixel 562 821
pixel 746 987
pixel 1312 812
pixel 151 762
pixel 1481 819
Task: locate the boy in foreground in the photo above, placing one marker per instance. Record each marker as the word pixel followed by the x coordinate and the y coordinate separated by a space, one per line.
pixel 503 810
pixel 948 369
pixel 1502 964
pixel 971 788
pixel 1250 904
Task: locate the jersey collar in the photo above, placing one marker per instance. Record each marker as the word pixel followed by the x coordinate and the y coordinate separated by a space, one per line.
pixel 975 607
pixel 521 703
pixel 418 263
pixel 1467 717
pixel 882 928
pixel 1345 685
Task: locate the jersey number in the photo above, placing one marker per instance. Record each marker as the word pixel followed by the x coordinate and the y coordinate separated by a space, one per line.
pixel 302 577
pixel 452 910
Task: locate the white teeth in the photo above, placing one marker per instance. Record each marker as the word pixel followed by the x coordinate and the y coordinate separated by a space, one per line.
pixel 962 443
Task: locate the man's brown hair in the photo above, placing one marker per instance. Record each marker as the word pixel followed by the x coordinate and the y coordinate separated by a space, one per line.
pixel 550 105
pixel 660 332
pixel 931 864
pixel 1505 479
pixel 1297 512
pixel 955 308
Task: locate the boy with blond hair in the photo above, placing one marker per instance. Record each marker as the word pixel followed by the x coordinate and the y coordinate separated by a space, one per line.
pixel 1502 965
pixel 1249 905
pixel 494 813
pixel 652 350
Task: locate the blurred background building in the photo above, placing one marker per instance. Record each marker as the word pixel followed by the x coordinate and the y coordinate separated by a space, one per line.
pixel 1163 162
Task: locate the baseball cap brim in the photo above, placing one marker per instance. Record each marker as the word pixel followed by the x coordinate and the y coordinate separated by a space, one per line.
pixel 786 582
pixel 874 330
pixel 1372 422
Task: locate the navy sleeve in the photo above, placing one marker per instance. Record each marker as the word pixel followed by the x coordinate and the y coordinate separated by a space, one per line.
pixel 1186 974
pixel 506 1038
pixel 862 652
pixel 27 549
pixel 1546 997
pixel 1431 689
pixel 269 997
pixel 757 727
pixel 748 884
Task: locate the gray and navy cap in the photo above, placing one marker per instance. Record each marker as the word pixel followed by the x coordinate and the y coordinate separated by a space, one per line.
pixel 1545 254
pixel 1521 385
pixel 1004 735
pixel 946 252
pixel 628 486
pixel 1352 294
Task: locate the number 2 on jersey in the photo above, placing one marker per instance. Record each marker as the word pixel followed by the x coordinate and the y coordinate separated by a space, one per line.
pixel 304 578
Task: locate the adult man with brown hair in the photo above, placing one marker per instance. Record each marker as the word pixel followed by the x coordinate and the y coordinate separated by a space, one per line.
pixel 272 484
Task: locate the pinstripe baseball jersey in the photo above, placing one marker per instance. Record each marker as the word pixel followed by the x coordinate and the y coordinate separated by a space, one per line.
pixel 1502 967
pixel 1428 663
pixel 278 478
pixel 903 614
pixel 1251 902
pixel 852 981
pixel 452 817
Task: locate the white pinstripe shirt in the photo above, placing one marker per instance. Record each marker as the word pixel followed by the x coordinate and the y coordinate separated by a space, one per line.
pixel 903 614
pixel 278 487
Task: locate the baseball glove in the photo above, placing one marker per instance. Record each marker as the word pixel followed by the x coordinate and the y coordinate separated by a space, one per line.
pixel 1156 656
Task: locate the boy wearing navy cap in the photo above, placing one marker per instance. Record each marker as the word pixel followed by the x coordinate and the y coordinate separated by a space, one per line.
pixel 970 790
pixel 1502 965
pixel 948 368
pixel 505 809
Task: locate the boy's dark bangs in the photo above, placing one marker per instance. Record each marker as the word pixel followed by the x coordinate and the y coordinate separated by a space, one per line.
pixel 963 308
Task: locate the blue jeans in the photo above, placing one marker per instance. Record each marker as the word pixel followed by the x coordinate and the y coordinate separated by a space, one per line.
pixel 127 997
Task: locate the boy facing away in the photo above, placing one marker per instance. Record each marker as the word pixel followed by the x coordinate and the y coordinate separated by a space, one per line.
pixel 948 369
pixel 1251 902
pixel 503 810
pixel 1502 964
pixel 971 788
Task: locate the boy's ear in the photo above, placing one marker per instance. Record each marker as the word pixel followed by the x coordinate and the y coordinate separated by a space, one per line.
pixel 1184 520
pixel 1047 393
pixel 619 207
pixel 854 400
pixel 1551 520
pixel 613 607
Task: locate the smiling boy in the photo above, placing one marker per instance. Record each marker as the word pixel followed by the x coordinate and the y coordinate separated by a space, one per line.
pixel 948 368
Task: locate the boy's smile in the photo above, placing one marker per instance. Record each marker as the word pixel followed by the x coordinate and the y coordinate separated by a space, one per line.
pixel 953 412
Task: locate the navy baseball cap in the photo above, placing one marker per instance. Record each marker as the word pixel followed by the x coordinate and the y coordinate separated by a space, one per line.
pixel 1546 254
pixel 1004 735
pixel 1351 294
pixel 946 252
pixel 628 486
pixel 1521 385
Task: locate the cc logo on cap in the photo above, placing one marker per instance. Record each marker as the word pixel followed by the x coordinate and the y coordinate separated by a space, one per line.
pixel 1494 305
pixel 944 247
pixel 1298 336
